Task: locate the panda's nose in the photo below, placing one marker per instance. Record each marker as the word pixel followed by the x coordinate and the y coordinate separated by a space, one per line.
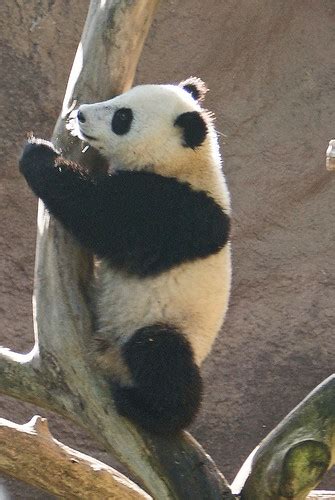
pixel 81 116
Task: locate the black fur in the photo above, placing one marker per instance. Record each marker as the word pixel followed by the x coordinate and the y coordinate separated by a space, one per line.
pixel 142 222
pixel 194 128
pixel 194 86
pixel 122 120
pixel 167 384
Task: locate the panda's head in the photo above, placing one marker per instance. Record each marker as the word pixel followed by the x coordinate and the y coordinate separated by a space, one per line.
pixel 149 127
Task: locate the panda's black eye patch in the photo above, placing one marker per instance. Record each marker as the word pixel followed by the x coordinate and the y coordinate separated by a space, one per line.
pixel 121 121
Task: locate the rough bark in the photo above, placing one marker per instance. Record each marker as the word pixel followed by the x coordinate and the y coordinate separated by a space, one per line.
pixel 30 453
pixel 293 458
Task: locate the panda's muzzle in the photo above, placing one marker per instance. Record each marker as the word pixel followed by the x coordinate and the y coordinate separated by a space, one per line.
pixel 82 119
pixel 87 136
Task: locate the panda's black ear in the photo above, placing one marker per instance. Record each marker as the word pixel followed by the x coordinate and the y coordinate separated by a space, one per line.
pixel 194 86
pixel 194 128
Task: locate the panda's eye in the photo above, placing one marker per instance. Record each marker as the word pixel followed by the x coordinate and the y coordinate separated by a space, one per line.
pixel 122 120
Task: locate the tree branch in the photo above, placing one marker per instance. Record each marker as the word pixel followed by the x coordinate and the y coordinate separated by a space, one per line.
pixel 330 155
pixel 21 378
pixel 292 459
pixel 26 449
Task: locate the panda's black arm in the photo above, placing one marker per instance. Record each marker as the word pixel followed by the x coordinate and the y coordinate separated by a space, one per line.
pixel 142 222
pixel 67 190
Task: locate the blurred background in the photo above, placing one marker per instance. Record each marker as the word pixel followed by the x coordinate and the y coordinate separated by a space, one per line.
pixel 269 65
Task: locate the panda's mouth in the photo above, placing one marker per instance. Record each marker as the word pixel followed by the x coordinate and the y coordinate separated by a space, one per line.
pixel 86 136
pixel 73 126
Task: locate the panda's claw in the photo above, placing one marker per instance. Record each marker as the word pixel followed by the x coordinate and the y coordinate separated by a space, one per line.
pixel 37 153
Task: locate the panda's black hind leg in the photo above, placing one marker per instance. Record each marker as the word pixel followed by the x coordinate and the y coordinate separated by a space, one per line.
pixel 167 386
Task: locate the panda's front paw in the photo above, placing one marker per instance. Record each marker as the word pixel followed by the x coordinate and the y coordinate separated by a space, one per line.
pixel 37 154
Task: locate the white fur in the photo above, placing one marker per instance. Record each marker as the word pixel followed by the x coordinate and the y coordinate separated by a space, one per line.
pixel 193 296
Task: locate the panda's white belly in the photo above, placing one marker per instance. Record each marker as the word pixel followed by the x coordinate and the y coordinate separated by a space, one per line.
pixel 192 297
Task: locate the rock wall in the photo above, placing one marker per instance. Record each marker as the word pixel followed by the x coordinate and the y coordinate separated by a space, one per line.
pixel 269 65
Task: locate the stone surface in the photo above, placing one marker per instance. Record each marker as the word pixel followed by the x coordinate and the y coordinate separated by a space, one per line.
pixel 269 66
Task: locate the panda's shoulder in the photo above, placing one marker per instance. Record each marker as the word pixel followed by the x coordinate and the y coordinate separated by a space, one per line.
pixel 161 223
pixel 150 188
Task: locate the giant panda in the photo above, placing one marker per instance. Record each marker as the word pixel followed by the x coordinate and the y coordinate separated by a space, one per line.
pixel 159 224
